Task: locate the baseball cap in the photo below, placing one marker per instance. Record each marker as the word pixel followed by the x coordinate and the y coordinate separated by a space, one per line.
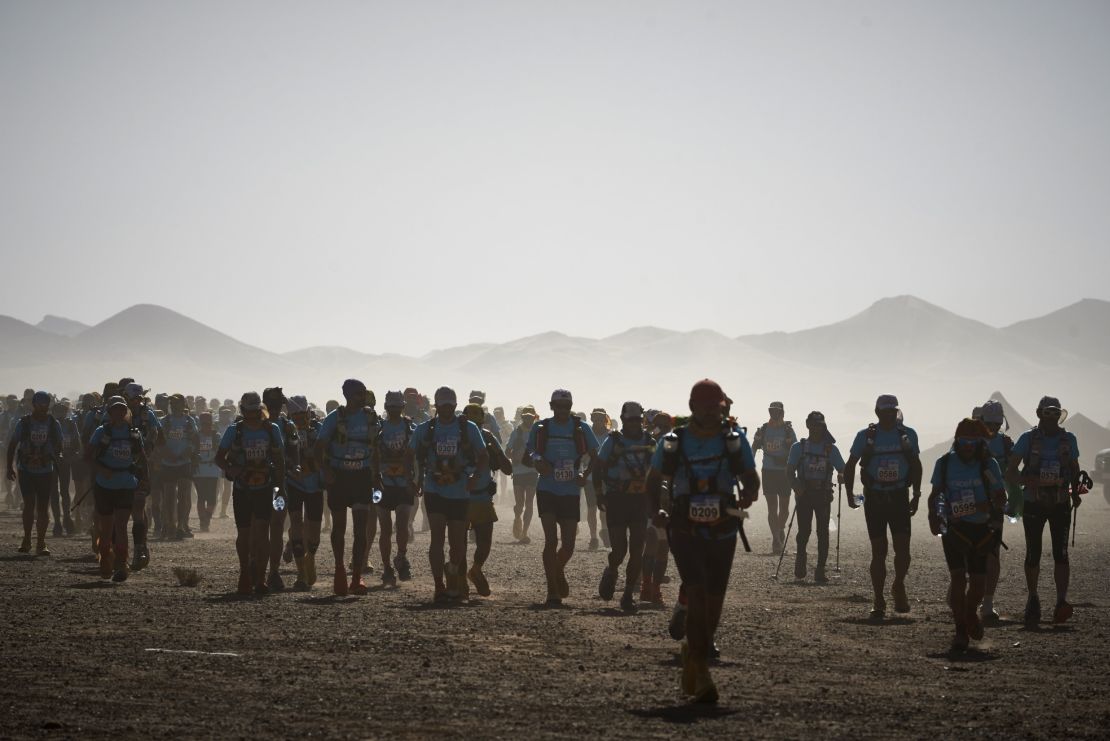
pixel 815 417
pixel 353 386
pixel 205 416
pixel 478 396
pixel 631 410
pixel 40 397
pixel 445 395
pixel 250 401
pixel 394 399
pixel 296 404
pixel 1048 402
pixel 116 401
pixel 707 392
pixel 133 391
pixel 886 401
pixel 992 412
pixel 177 397
pixel 561 395
pixel 474 412
pixel 776 405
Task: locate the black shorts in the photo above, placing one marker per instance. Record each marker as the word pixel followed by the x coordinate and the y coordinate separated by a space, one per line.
pixel 525 481
pixel 37 486
pixel 883 509
pixel 354 489
pixel 966 547
pixel 450 509
pixel 621 510
pixel 562 508
pixel 396 496
pixel 312 505
pixel 108 501
pixel 702 562
pixel 250 505
pixel 774 483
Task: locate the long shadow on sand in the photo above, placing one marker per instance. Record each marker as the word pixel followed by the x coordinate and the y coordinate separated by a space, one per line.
pixel 98 584
pixel 685 714
pixel 885 622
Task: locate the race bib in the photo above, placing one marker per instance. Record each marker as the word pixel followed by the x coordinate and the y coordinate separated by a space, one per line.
pixel 816 468
pixel 447 448
pixel 564 471
pixel 963 504
pixel 175 433
pixel 396 444
pixel 355 454
pixel 352 465
pixel 38 435
pixel 705 510
pixel 205 445
pixel 256 450
pixel 120 451
pixel 774 446
pixel 1050 472
pixel 889 471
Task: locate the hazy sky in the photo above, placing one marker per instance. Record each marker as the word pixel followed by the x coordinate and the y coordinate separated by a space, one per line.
pixel 408 175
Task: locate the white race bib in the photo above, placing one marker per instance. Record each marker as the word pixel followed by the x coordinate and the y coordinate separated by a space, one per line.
pixel 1050 472
pixel 447 448
pixel 889 470
pixel 963 503
pixel 705 510
pixel 564 471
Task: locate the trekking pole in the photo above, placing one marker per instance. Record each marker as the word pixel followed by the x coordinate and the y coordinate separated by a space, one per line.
pixel 77 502
pixel 783 554
pixel 1085 485
pixel 839 496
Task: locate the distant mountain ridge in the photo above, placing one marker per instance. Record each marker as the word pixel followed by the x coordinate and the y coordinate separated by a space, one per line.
pixel 939 363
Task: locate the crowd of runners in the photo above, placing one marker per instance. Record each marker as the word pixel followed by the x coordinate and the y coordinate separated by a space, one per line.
pixel 125 469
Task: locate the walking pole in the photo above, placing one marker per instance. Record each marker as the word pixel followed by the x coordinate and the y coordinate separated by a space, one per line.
pixel 783 554
pixel 839 496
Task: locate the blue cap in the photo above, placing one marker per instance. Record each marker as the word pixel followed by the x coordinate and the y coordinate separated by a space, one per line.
pixel 40 397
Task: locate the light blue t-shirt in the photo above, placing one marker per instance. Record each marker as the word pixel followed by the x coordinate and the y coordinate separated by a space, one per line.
pixel 39 444
pixel 393 441
pixel 518 439
pixel 708 466
pixel 444 457
pixel 114 450
pixel 309 482
pixel 812 465
pixel 356 452
pixel 207 443
pixel 255 456
pixel 627 473
pixel 889 467
pixel 562 453
pixel 965 493
pixel 1052 473
pixel 180 433
pixel 775 442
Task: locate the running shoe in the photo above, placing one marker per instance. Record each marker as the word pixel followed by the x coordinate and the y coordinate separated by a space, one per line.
pixel 275 582
pixel 901 600
pixel 1033 610
pixel 608 584
pixel 121 574
pixel 677 625
pixel 389 577
pixel 358 586
pixel 481 584
pixel 1062 612
pixel 628 602
pixel 878 610
pixel 25 546
pixel 404 570
pixel 974 626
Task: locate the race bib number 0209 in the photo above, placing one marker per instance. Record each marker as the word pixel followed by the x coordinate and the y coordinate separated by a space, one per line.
pixel 705 510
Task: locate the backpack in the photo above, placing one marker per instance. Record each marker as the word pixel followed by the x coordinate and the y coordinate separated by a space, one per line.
pixel 1069 466
pixel 620 442
pixel 542 436
pixel 255 470
pixel 341 425
pixel 760 433
pixel 906 451
pixel 390 458
pixel 674 452
pixel 53 433
pixel 825 453
pixel 994 514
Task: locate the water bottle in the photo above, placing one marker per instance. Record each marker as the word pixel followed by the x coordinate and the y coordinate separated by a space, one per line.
pixel 279 501
pixel 858 496
pixel 941 517
pixel 1011 516
pixel 376 497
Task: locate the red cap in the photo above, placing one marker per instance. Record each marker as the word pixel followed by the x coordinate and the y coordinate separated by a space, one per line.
pixel 706 393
